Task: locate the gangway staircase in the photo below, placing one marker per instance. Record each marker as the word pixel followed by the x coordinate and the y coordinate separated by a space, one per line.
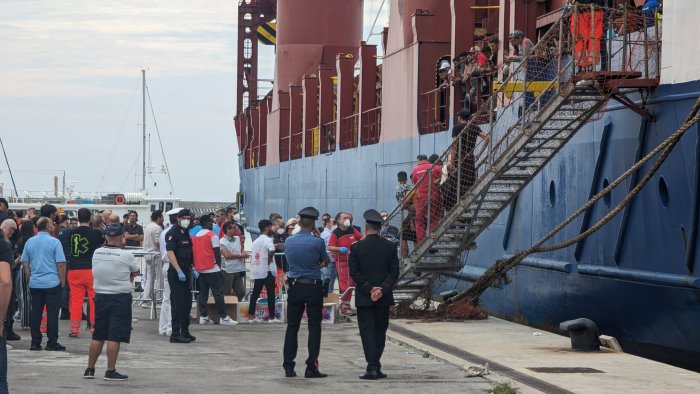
pixel 516 155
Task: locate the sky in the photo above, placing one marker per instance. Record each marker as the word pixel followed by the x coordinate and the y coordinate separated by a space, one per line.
pixel 70 94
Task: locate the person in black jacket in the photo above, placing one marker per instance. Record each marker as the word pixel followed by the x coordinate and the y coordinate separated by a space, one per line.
pixel 374 265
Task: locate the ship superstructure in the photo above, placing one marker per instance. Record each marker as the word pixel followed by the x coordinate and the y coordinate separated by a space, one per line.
pixel 339 124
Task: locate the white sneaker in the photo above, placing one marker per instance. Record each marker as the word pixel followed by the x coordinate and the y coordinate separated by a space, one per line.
pixel 227 321
pixel 275 320
pixel 205 320
pixel 256 320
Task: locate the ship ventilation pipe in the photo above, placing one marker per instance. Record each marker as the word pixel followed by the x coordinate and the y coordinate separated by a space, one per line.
pixel 583 333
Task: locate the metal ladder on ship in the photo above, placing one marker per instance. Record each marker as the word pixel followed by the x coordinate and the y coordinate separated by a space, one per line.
pixel 530 143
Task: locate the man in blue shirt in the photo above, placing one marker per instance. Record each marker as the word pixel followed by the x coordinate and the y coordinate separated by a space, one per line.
pixel 44 260
pixel 305 254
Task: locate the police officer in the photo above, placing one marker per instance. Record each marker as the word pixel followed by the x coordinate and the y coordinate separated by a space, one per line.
pixel 374 266
pixel 179 247
pixel 305 254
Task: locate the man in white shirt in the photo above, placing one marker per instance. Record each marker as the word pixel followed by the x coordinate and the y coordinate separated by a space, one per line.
pixel 262 271
pixel 151 243
pixel 234 261
pixel 165 320
pixel 114 270
pixel 207 267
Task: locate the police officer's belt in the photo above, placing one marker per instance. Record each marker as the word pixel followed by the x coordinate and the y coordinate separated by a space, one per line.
pixel 305 281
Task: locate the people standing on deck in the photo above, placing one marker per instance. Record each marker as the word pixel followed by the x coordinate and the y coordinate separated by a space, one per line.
pixel 45 264
pixel 114 269
pixel 83 243
pixel 587 28
pixel 306 255
pixel 151 243
pixel 179 247
pixel 278 237
pixel 374 266
pixel 408 225
pixel 165 326
pixel 262 271
pixel 461 167
pixel 329 224
pixel 426 178
pixel 339 243
pixel 207 269
pixel 234 262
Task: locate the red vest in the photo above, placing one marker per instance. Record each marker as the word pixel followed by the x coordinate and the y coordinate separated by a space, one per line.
pixel 203 251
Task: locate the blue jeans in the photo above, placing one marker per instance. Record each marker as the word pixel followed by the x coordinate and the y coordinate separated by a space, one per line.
pixel 3 366
pixel 331 274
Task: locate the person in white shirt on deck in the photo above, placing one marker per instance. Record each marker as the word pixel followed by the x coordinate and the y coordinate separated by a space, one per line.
pixel 234 261
pixel 262 271
pixel 151 243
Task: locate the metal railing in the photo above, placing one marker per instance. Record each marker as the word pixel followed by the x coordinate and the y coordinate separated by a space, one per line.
pixel 435 112
pixel 551 69
pixel 371 121
pixel 348 132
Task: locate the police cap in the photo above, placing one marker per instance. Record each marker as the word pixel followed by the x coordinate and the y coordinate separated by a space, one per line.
pixel 373 216
pixel 309 213
pixel 184 212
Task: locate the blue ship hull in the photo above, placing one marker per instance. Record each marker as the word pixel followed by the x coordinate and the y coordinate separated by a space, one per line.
pixel 639 280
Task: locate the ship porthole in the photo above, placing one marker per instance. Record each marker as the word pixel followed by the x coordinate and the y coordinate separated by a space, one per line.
pixel 606 198
pixel 552 193
pixel 663 192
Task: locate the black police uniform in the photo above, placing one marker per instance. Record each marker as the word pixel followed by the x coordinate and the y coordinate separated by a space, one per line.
pixel 178 241
pixel 373 263
pixel 304 254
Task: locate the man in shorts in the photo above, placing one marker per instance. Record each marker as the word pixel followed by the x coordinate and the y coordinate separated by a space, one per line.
pixel 113 269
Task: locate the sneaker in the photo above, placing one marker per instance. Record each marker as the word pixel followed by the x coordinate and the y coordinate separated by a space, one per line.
pixel 275 320
pixel 35 346
pixel 146 304
pixel 256 320
pixel 56 347
pixel 89 373
pixel 73 334
pixel 12 336
pixel 114 375
pixel 227 321
pixel 205 320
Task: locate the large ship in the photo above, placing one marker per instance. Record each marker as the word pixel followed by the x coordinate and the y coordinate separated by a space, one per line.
pixel 565 119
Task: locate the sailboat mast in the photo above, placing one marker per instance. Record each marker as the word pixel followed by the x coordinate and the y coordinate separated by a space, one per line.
pixel 143 148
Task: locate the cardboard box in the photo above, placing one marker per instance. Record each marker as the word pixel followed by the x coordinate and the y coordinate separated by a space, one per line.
pixel 330 305
pixel 231 308
pixel 261 310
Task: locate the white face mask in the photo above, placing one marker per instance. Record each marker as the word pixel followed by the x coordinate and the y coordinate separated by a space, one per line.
pixel 347 223
pixel 296 229
pixel 280 231
pixel 334 227
pixel 184 223
pixel 237 218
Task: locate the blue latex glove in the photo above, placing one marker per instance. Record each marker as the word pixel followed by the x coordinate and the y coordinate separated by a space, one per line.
pixel 344 250
pixel 196 274
pixel 181 276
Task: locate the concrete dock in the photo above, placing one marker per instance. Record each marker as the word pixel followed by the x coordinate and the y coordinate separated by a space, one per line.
pixel 421 357
pixel 538 361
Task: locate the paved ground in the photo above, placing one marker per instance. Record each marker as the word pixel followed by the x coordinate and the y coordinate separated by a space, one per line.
pixel 244 358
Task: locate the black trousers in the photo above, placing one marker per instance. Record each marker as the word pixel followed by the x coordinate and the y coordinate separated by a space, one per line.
pixel 299 297
pixel 51 299
pixel 180 301
pixel 373 322
pixel 269 283
pixel 212 281
pixel 13 304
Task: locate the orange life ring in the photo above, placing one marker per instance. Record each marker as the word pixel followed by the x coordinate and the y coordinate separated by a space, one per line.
pixel 119 199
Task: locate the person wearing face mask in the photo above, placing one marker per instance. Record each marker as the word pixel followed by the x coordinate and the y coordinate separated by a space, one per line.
pixel 278 238
pixel 339 243
pixel 262 270
pixel 207 265
pixel 179 247
pixel 234 262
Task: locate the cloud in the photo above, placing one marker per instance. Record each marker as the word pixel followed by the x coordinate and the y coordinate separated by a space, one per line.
pixel 49 45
